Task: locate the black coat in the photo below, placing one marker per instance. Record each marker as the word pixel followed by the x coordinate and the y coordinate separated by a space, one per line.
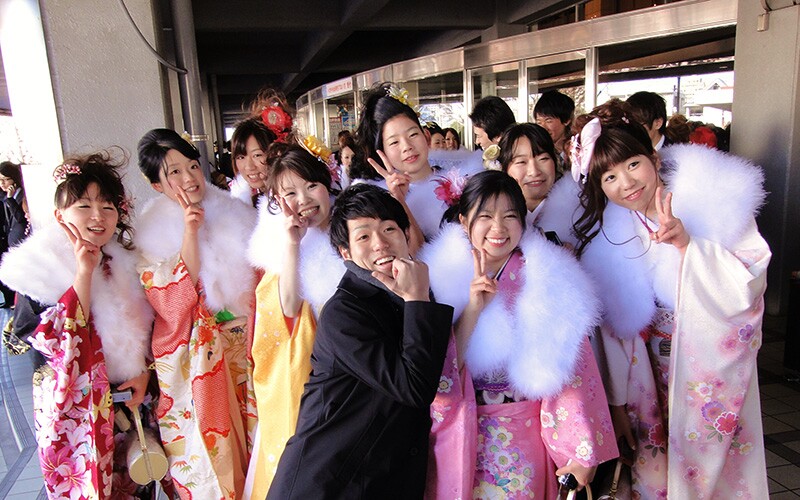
pixel 364 420
pixel 16 223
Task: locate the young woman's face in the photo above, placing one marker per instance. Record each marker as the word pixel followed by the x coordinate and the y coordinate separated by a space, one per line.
pixel 496 229
pixel 374 244
pixel 347 155
pixel 95 218
pixel 437 141
pixel 450 141
pixel 632 184
pixel 535 174
pixel 555 127
pixel 310 200
pixel 406 147
pixel 253 164
pixel 183 172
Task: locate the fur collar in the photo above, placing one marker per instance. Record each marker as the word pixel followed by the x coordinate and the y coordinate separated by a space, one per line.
pixel 538 342
pixel 227 277
pixel 320 269
pixel 241 190
pixel 43 268
pixel 716 196
pixel 559 210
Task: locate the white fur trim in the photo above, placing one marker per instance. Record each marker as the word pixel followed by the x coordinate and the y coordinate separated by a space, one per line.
pixel 227 277
pixel 468 162
pixel 320 269
pixel 241 190
pixel 716 196
pixel 43 268
pixel 538 343
pixel 561 209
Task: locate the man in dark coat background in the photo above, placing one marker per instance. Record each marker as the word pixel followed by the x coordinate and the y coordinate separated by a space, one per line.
pixel 364 420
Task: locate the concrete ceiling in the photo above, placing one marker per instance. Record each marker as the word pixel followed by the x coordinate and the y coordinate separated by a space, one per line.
pixel 296 46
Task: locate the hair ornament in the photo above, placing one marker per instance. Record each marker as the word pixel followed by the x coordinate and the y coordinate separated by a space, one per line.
pixel 277 120
pixel 583 148
pixel 490 156
pixel 317 148
pixel 450 186
pixel 62 171
pixel 400 94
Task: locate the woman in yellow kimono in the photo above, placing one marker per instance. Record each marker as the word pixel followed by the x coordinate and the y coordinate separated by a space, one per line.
pixel 301 271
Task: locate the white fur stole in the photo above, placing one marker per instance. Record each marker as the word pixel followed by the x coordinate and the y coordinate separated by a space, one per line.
pixel 320 269
pixel 716 196
pixel 241 190
pixel 467 162
pixel 538 342
pixel 561 209
pixel 43 268
pixel 227 277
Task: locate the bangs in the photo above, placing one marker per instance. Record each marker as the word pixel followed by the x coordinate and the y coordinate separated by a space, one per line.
pixel 615 146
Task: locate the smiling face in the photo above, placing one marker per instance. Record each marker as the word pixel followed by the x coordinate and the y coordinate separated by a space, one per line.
pixel 183 172
pixel 95 218
pixel 496 229
pixel 375 244
pixel 406 147
pixel 450 141
pixel 437 141
pixel 308 199
pixel 482 139
pixel 632 184
pixel 253 164
pixel 535 174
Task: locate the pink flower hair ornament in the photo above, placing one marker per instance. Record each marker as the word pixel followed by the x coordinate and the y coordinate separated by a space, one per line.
pixel 450 186
pixel 583 149
pixel 62 171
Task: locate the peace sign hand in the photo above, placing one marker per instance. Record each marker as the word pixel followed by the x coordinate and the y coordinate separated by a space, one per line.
pixel 482 289
pixel 87 254
pixel 671 228
pixel 397 182
pixel 296 225
pixel 193 213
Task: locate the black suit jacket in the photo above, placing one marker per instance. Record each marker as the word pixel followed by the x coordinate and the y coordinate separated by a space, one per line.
pixel 364 420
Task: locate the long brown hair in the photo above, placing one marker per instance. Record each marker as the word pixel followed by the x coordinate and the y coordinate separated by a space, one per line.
pixel 621 137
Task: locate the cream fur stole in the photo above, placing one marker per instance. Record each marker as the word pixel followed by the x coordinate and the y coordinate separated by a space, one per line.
pixel 228 279
pixel 43 268
pixel 320 269
pixel 538 342
pixel 716 196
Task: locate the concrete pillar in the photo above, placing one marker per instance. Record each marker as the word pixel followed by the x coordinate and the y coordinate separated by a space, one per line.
pixel 766 129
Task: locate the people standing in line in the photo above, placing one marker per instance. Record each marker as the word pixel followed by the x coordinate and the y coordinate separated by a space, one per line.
pixel 650 111
pixel 683 297
pixel 94 334
pixel 490 117
pixel 523 313
pixel 377 359
pixel 555 112
pixel 196 275
pixel 291 245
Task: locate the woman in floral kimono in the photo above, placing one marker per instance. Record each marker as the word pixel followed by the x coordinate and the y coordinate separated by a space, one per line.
pixel 292 247
pixel 195 274
pixel 541 407
pixel 682 277
pixel 95 333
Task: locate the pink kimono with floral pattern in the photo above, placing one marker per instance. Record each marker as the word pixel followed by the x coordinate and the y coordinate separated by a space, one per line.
pixel 74 416
pixel 522 442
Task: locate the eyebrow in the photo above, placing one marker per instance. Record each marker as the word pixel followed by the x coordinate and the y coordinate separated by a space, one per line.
pixel 402 131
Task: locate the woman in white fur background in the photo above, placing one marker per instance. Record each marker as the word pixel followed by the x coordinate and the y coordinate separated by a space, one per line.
pixel 196 275
pixel 95 333
pixel 541 406
pixel 301 271
pixel 682 276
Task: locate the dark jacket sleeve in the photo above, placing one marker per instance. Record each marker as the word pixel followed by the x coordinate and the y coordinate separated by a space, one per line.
pixel 16 222
pixel 407 370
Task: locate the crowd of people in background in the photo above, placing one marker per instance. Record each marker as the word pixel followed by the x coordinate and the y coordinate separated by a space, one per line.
pixel 401 318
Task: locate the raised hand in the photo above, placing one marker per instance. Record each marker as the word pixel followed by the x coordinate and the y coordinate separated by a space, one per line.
pixel 409 279
pixel 483 288
pixel 397 182
pixel 296 225
pixel 193 214
pixel 87 254
pixel 671 228
pixel 10 190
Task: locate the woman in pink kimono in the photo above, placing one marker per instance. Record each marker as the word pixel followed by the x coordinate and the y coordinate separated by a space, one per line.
pixel 95 333
pixel 525 310
pixel 195 274
pixel 682 276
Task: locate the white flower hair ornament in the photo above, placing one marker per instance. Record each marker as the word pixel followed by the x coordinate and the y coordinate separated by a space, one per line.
pixel 490 156
pixel 400 94
pixel 583 149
